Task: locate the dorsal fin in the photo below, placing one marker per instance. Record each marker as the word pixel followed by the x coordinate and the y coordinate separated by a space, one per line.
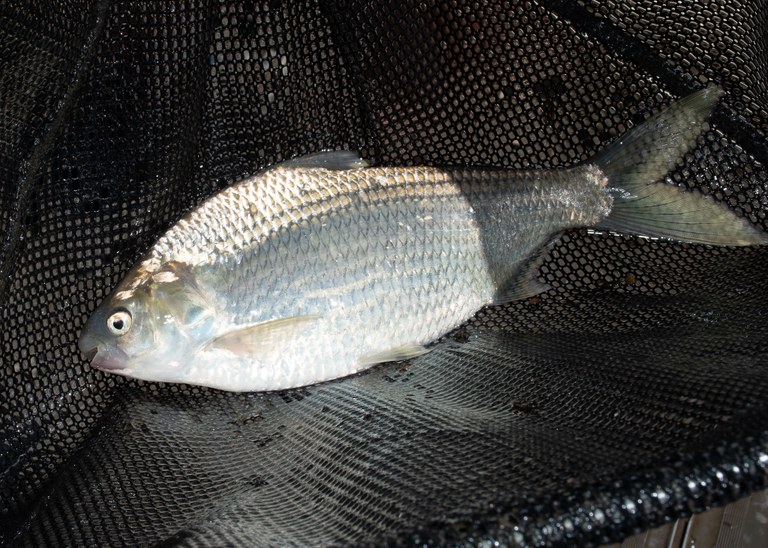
pixel 328 159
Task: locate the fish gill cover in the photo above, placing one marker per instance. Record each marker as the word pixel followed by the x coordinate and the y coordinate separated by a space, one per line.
pixel 632 392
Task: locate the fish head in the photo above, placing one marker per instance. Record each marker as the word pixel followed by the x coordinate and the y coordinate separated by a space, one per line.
pixel 150 326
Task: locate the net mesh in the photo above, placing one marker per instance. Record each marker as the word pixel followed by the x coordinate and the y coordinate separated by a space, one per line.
pixel 630 393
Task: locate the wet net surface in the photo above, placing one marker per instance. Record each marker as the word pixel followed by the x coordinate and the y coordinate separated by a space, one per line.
pixel 630 393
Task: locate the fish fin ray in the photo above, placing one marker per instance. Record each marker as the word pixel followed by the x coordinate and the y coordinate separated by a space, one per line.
pixel 263 336
pixel 328 159
pixel 399 353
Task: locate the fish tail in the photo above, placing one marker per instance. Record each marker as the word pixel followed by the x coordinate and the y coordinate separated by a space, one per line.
pixel 644 204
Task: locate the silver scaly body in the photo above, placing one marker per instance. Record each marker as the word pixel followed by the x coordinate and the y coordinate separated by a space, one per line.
pixel 384 258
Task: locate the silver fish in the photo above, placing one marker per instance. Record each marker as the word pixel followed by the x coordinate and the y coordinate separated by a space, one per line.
pixel 322 266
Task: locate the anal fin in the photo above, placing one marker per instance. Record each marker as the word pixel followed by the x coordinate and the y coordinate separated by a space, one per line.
pixel 523 288
pixel 525 283
pixel 404 352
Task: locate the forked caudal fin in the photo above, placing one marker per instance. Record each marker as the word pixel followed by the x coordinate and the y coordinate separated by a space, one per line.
pixel 644 204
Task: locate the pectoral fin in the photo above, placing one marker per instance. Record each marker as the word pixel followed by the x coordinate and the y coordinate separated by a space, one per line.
pixel 263 337
pixel 404 352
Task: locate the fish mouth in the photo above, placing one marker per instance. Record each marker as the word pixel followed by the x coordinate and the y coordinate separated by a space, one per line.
pixel 109 359
pixel 105 358
pixel 102 355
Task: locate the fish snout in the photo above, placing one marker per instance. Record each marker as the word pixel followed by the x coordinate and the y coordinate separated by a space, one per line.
pixel 88 345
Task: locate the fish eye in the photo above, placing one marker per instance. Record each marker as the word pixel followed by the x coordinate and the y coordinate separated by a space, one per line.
pixel 119 322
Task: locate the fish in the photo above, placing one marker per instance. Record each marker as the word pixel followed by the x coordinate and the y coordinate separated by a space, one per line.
pixel 323 266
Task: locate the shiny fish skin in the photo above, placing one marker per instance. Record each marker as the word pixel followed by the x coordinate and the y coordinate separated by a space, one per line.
pixel 318 268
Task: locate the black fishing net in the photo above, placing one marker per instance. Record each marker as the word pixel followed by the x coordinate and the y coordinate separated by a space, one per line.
pixel 631 393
